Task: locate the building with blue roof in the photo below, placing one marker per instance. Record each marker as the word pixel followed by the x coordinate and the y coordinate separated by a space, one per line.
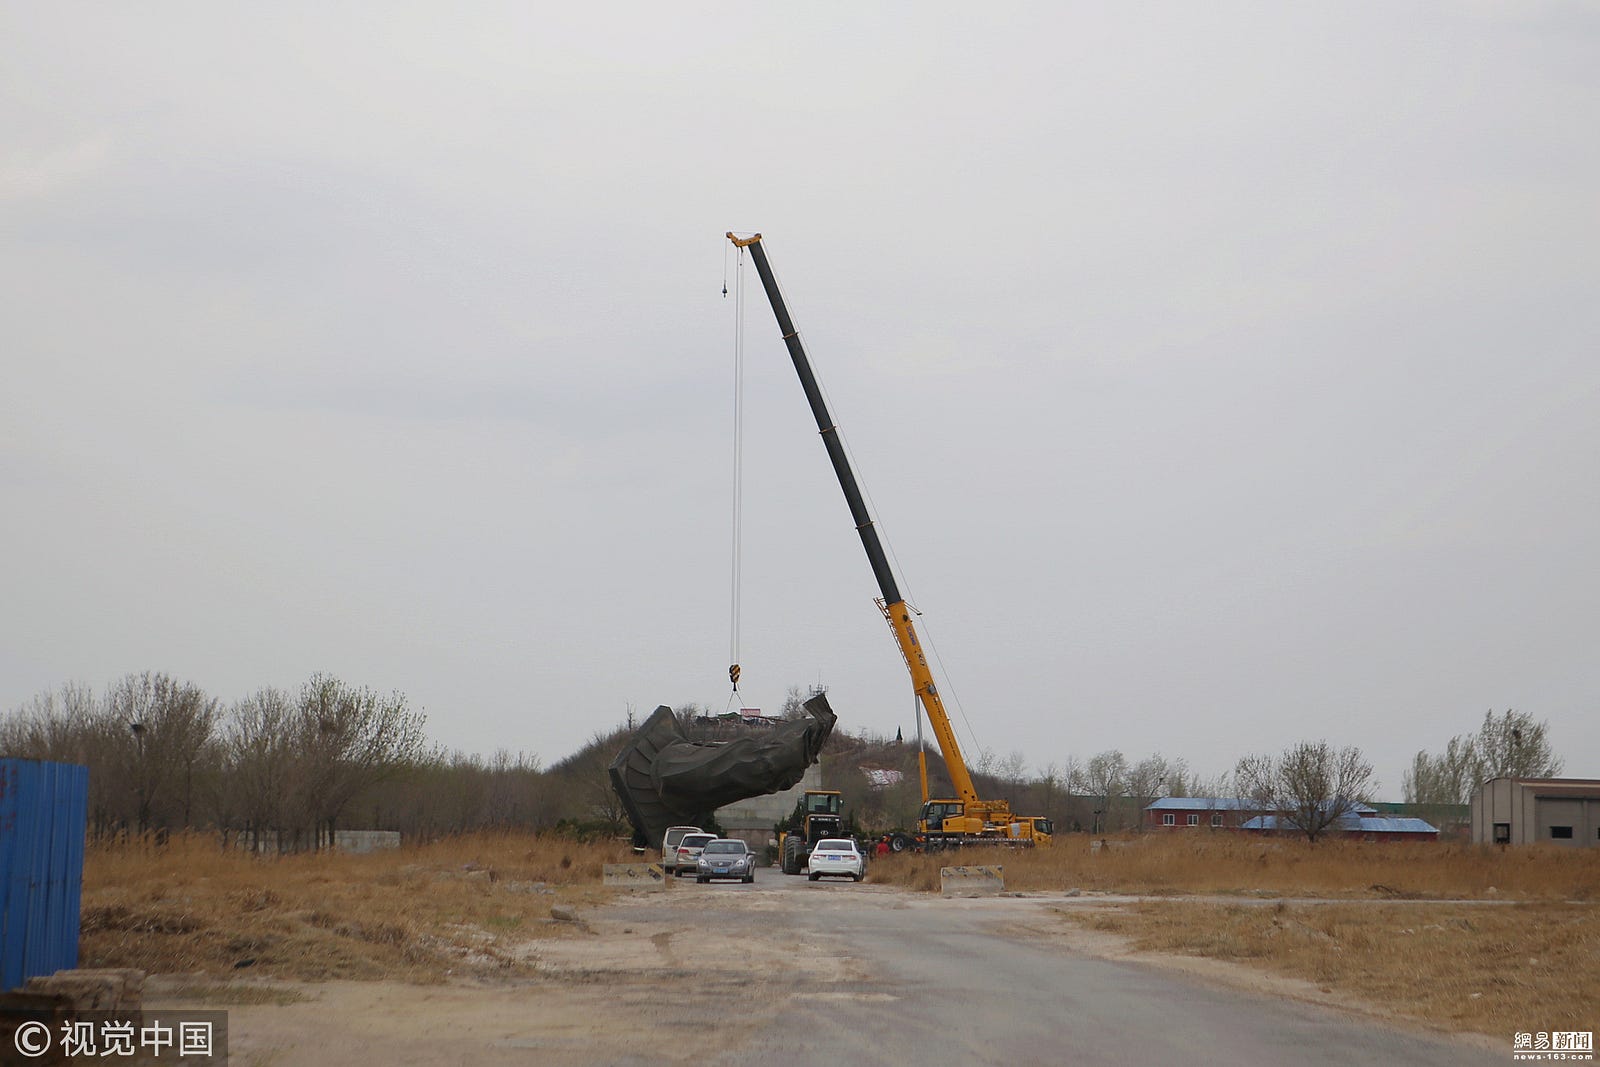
pixel 1355 825
pixel 1236 813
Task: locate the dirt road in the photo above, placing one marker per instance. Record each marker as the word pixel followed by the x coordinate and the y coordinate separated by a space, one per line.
pixel 786 971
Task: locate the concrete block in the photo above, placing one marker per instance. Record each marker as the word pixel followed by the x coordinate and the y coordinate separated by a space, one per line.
pixel 105 989
pixel 361 841
pixel 971 881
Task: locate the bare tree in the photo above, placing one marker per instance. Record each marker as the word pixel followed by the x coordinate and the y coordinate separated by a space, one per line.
pixel 588 795
pixel 1310 786
pixel 1513 745
pixel 794 704
pixel 52 726
pixel 259 758
pixel 1013 770
pixel 1508 745
pixel 1448 778
pixel 72 726
pixel 1145 781
pixel 169 725
pixel 1181 782
pixel 1050 786
pixel 1105 777
pixel 347 740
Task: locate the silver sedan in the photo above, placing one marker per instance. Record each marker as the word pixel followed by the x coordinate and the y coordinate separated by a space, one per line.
pixel 726 857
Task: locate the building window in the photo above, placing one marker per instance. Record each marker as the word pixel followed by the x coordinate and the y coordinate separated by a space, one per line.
pixel 1216 819
pixel 1194 820
pixel 1502 833
pixel 1561 833
pixel 1169 819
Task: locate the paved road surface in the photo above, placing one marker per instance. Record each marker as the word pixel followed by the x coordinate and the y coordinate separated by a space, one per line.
pixel 790 972
pixel 965 982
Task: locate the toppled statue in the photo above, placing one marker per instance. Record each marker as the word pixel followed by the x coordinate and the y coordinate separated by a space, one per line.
pixel 665 779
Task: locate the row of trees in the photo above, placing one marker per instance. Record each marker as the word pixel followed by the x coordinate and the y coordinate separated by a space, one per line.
pixel 1107 792
pixel 280 768
pixel 1508 745
pixel 284 770
pixel 1310 785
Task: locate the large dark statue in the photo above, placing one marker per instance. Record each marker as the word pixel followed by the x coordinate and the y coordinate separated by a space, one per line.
pixel 665 779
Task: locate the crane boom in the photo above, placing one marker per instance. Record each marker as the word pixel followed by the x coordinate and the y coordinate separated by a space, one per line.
pixel 893 605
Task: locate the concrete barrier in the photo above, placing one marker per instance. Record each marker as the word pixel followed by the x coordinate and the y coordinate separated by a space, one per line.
pixel 972 881
pixel 634 875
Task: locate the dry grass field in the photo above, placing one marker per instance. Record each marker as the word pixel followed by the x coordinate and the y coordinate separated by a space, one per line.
pixel 1518 952
pixel 1229 864
pixel 1515 950
pixel 1493 970
pixel 419 913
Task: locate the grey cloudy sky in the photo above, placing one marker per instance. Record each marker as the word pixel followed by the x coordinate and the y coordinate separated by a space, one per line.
pixel 1222 375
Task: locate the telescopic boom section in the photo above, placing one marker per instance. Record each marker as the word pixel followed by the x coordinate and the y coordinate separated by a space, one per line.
pixel 893 604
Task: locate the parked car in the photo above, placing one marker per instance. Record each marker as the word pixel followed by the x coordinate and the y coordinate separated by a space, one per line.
pixel 669 845
pixel 837 856
pixel 688 854
pixel 726 857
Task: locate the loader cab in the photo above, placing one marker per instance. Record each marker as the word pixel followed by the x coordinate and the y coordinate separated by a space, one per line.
pixel 824 802
pixel 824 816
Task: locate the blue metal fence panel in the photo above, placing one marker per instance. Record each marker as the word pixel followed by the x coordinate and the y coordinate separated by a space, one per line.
pixel 43 818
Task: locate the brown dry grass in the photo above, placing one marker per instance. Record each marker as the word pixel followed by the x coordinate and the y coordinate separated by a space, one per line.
pixel 1490 969
pixel 1206 863
pixel 418 913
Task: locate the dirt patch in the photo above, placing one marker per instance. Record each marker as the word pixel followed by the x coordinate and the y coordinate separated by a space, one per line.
pixel 633 984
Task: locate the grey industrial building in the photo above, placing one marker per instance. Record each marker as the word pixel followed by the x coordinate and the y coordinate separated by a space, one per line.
pixel 1521 811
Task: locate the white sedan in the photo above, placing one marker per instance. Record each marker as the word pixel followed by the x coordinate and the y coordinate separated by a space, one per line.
pixel 837 856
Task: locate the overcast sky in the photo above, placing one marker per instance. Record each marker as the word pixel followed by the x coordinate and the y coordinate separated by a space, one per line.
pixel 1222 376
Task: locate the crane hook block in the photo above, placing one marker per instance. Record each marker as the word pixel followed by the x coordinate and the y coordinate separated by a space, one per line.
pixel 733 674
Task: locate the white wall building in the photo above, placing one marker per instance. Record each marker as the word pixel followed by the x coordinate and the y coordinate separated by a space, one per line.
pixel 1522 811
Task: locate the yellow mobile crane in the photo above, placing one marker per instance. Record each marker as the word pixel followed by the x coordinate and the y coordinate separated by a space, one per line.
pixel 943 822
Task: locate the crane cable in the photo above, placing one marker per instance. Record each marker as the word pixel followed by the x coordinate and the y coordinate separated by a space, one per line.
pixel 737 575
pixel 946 688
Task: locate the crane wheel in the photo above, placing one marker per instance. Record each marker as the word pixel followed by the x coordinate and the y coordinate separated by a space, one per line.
pixel 899 843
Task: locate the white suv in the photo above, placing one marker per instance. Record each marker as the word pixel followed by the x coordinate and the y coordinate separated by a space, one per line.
pixel 689 848
pixel 669 846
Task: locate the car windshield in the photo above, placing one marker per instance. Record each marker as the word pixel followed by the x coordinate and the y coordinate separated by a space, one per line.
pixel 725 846
pixel 697 840
pixel 836 846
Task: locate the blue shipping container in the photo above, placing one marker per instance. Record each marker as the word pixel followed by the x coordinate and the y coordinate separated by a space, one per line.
pixel 43 818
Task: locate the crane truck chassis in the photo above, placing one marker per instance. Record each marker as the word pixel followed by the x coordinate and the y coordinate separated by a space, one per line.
pixel 951 822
